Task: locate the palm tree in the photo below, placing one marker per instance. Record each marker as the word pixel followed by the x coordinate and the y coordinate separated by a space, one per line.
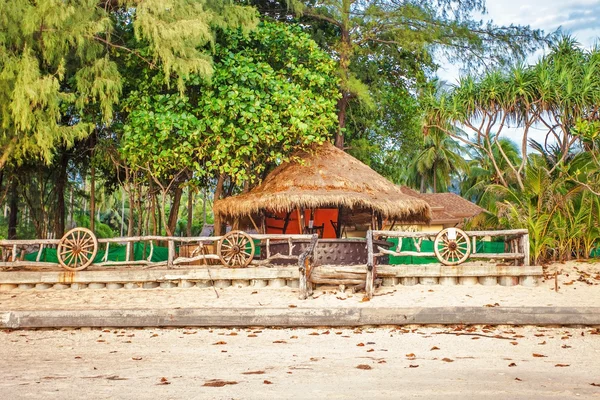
pixel 435 165
pixel 481 172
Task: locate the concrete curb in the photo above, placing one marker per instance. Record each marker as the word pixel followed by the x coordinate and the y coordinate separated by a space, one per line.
pixel 300 317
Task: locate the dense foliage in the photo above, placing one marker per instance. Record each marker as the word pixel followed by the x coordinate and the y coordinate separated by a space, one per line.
pixel 551 188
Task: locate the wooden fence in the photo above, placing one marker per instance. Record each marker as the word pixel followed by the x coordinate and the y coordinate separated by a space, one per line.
pixel 516 240
pixel 205 246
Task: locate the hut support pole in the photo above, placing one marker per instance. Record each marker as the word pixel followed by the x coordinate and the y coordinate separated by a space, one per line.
pixel 286 222
pixel 338 233
pixel 370 266
pixel 301 220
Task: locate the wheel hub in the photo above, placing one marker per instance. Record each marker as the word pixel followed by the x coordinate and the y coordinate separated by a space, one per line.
pixel 452 246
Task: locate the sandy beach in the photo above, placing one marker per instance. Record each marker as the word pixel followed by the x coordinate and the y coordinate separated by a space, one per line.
pixel 375 363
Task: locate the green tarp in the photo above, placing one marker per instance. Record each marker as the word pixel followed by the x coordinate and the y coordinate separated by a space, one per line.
pixel 408 244
pixel 115 253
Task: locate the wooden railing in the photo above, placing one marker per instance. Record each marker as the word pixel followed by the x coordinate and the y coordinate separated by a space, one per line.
pixel 517 241
pixel 205 245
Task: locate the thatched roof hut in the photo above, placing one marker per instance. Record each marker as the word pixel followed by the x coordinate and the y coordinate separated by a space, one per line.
pixel 326 177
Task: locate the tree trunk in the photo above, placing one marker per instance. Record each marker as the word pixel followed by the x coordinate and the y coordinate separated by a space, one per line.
pixel 422 183
pixel 61 183
pixel 434 178
pixel 345 52
pixel 71 206
pixel 218 192
pixel 342 110
pixel 203 207
pixel 14 209
pixel 131 211
pixel 174 213
pixel 190 211
pixel 92 197
pixel 122 210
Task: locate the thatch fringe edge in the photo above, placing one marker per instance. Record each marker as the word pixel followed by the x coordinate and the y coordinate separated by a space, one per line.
pixel 408 210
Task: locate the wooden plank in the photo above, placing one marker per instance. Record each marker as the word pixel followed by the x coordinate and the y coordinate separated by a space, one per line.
pixel 500 256
pixel 26 264
pixel 463 270
pixel 9 243
pixel 330 281
pixel 400 234
pixel 299 317
pixel 338 275
pixel 403 234
pixel 498 233
pixel 218 273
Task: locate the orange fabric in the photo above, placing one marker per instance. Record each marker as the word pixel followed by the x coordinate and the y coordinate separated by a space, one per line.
pixel 323 216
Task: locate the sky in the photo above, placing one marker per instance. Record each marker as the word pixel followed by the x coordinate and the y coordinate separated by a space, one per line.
pixel 581 18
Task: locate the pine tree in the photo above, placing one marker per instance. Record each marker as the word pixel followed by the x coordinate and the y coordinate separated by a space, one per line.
pixel 57 57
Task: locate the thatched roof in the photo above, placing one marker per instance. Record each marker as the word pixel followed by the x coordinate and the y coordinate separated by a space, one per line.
pixel 446 208
pixel 327 177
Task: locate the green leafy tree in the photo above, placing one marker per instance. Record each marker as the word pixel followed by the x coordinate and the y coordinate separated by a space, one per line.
pixel 407 32
pixel 57 57
pixel 272 92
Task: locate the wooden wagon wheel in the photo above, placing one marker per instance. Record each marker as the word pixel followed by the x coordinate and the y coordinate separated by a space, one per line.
pixel 236 249
pixel 77 249
pixel 452 246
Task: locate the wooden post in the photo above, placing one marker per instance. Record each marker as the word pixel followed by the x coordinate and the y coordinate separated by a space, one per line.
pixel 525 244
pixel 302 286
pixel 105 258
pixel 39 254
pixel 171 253
pixel 268 248
pixel 304 266
pixel 370 263
pixel 149 259
pixel 128 251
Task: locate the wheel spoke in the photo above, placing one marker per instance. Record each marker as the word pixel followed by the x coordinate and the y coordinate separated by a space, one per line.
pixel 87 246
pixel 67 259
